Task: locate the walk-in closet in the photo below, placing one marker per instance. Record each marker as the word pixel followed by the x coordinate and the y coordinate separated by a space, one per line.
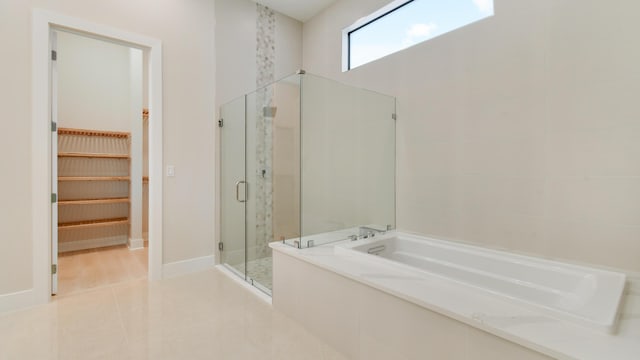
pixel 100 163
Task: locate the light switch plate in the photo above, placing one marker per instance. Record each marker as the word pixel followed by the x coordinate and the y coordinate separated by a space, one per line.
pixel 171 171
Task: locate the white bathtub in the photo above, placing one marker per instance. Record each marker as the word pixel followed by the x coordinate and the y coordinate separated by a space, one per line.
pixel 583 295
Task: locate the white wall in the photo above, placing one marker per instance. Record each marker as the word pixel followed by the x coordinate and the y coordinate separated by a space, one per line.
pixel 186 29
pixel 288 46
pixel 519 131
pixel 236 48
pixel 93 84
pixel 15 219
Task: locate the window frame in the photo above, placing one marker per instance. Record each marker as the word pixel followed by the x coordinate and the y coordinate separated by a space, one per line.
pixel 362 22
pixel 389 9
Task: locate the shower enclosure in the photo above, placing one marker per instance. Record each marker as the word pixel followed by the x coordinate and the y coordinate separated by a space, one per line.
pixel 305 161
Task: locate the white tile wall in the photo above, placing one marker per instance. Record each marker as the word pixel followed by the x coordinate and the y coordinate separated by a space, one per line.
pixel 518 131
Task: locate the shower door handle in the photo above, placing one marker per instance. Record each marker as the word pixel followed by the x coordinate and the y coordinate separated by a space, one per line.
pixel 238 190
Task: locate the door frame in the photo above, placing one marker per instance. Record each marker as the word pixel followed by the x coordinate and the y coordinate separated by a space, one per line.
pixel 43 21
pixel 53 135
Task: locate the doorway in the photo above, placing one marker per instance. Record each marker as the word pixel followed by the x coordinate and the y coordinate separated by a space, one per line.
pixel 42 188
pixel 97 105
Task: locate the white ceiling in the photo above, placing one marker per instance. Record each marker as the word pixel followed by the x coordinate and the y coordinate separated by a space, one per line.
pixel 302 10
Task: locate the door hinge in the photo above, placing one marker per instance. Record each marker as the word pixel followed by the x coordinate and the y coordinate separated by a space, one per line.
pixel 54 269
pixel 220 246
pixel 54 55
pixel 54 198
pixel 394 116
pixel 221 123
pixel 54 126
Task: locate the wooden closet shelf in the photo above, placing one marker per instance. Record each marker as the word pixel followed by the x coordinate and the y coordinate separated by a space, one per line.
pixel 87 132
pixel 94 201
pixel 93 155
pixel 94 178
pixel 93 223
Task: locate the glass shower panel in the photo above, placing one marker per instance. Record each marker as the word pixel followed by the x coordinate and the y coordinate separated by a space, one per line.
pixel 348 160
pixel 233 186
pixel 257 146
pixel 286 159
pixel 272 164
pixel 305 160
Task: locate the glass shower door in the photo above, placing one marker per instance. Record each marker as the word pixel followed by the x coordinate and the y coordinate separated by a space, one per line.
pixel 233 187
pixel 260 178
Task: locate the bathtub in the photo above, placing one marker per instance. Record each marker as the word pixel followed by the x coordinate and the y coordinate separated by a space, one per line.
pixel 582 295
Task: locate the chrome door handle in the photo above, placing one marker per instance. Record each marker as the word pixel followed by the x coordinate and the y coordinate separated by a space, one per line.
pixel 238 191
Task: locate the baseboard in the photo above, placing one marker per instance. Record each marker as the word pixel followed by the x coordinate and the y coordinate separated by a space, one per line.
pixel 187 266
pixel 135 244
pixel 91 244
pixel 17 300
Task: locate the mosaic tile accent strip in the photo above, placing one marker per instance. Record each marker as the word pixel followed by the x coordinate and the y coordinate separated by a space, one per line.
pixel 265 45
pixel 265 66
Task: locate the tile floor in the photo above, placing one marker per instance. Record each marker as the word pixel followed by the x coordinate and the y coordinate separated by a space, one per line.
pixel 204 315
pixel 86 269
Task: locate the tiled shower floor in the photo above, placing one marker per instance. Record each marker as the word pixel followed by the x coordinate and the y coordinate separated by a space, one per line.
pixel 260 270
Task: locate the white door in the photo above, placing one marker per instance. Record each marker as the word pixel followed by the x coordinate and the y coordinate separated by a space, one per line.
pixel 54 164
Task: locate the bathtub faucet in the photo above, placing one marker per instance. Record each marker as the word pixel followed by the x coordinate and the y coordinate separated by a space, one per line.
pixel 365 232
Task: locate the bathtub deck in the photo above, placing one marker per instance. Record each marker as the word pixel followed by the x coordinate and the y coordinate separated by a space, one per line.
pixel 535 330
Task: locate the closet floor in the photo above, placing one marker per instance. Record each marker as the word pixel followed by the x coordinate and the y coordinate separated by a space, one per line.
pixel 87 269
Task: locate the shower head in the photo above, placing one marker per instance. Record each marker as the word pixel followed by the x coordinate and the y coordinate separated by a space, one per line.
pixel 269 111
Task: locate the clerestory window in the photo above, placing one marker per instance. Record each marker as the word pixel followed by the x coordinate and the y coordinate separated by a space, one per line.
pixel 404 23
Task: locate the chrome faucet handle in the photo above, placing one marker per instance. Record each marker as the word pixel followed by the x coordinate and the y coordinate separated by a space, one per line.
pixel 367 232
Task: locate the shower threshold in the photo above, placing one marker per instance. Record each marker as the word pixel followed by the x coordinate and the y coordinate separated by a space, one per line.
pixel 258 273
